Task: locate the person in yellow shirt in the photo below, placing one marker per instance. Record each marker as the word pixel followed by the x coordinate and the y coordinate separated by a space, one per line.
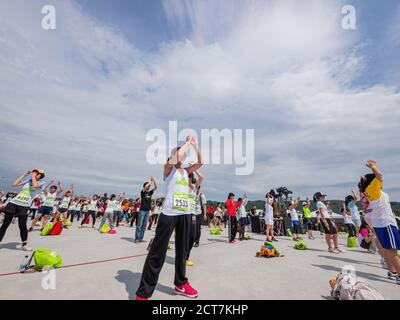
pixel 380 216
pixel 307 218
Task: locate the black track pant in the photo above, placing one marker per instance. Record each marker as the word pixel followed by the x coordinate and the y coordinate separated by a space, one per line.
pixel 22 221
pixel 158 251
pixel 352 229
pixel 199 221
pixel 232 228
pixel 87 214
pixel 134 218
pixel 192 234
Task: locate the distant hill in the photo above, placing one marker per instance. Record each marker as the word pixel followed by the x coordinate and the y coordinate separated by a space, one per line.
pixel 336 205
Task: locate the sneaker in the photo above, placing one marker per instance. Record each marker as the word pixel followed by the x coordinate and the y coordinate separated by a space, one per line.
pixel 398 280
pixel 30 229
pixel 142 240
pixel 340 250
pixel 337 251
pixel 330 249
pixel 141 298
pixel 196 245
pixel 24 248
pixel 186 290
pixel 311 238
pixel 189 263
pixel 275 239
pixel 136 241
pixel 392 275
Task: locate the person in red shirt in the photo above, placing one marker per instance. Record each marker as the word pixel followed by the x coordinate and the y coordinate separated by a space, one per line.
pixel 231 206
pixel 211 211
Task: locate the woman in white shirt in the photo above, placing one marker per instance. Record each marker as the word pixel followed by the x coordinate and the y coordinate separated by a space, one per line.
pixel 331 235
pixel 269 217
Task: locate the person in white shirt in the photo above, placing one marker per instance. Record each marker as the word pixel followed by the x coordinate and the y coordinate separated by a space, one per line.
pixel 269 217
pixel 242 216
pixel 329 227
pixel 379 215
pixel 348 221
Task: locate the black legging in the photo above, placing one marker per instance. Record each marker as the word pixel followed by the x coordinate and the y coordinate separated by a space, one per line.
pixel 199 220
pixel 352 229
pixel 192 234
pixel 232 228
pixel 23 230
pixel 134 217
pixel 87 214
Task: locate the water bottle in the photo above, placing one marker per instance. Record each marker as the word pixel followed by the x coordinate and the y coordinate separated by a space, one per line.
pixel 24 265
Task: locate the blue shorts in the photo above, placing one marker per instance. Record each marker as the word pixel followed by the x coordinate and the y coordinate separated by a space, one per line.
pixel 296 226
pixel 46 211
pixel 389 237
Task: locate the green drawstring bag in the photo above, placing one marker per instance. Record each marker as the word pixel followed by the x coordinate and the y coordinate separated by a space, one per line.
pixel 46 230
pixel 46 258
pixel 352 242
pixel 67 223
pixel 215 231
pixel 105 228
pixel 267 243
pixel 300 245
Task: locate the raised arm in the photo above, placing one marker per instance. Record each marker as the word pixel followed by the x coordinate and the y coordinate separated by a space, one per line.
pixel 199 163
pixel 374 167
pixel 354 195
pixel 154 183
pixel 176 157
pixel 199 180
pixel 18 182
pixel 61 189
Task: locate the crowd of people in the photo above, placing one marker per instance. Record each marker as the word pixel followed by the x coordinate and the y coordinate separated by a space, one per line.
pixel 184 209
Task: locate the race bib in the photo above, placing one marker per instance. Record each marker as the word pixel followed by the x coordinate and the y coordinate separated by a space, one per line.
pixel 181 201
pixel 23 198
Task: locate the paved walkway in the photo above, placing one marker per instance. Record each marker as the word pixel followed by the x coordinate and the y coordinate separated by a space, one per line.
pixel 221 270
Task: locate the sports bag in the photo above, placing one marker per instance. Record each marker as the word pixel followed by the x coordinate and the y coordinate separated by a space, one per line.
pixel 352 242
pixel 47 228
pixel 300 245
pixel 57 229
pixel 46 258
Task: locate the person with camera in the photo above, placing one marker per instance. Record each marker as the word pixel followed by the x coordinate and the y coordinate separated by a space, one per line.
pixel 19 206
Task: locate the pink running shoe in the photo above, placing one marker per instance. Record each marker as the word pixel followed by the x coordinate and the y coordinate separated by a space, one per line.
pixel 141 298
pixel 186 290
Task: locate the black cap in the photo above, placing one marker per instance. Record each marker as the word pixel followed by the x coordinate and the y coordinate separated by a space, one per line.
pixel 318 195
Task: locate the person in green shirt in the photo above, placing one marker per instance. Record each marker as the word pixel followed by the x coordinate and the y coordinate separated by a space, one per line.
pixel 307 218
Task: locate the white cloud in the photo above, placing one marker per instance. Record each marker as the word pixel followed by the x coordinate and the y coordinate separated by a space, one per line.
pixel 79 101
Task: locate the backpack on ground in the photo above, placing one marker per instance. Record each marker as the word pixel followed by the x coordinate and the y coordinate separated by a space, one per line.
pixel 57 229
pixel 270 244
pixel 46 230
pixel 348 287
pixel 289 232
pixel 67 223
pixel 86 221
pixel 352 242
pixel 300 245
pixel 46 258
pixel 105 228
pixel 215 231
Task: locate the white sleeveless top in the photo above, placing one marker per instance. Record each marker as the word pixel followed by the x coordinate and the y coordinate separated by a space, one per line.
pixel 192 201
pixel 177 201
pixel 50 198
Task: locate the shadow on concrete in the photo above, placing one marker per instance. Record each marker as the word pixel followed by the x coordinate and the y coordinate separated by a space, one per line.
pixel 369 276
pixel 170 260
pixel 10 245
pixel 351 261
pixel 132 281
pixel 128 239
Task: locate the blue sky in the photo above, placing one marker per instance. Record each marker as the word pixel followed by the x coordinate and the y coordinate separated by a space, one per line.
pixel 321 100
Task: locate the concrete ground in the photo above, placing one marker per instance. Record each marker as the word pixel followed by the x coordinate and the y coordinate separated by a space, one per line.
pixel 221 270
